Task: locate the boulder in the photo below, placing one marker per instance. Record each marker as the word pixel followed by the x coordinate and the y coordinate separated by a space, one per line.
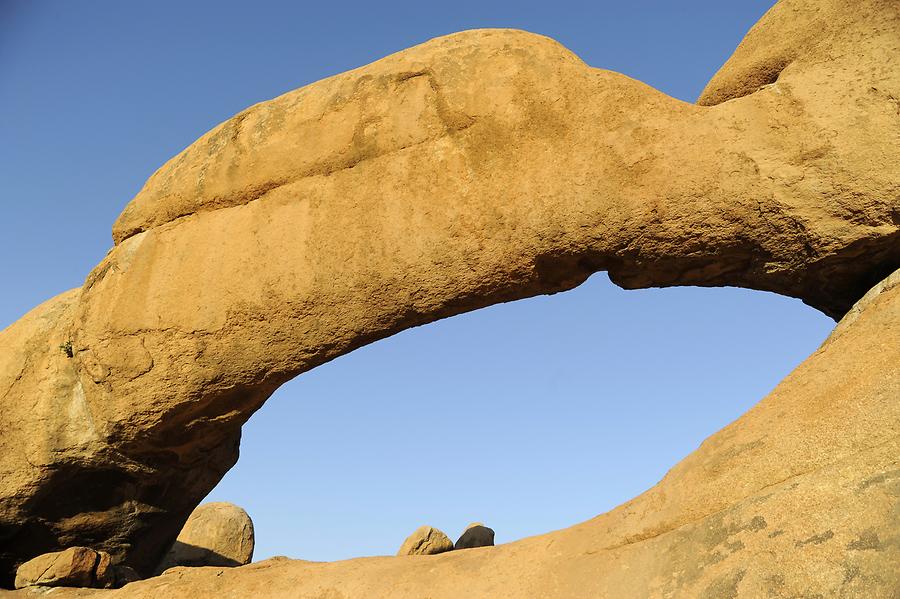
pixel 425 541
pixel 72 567
pixel 400 193
pixel 216 534
pixel 475 535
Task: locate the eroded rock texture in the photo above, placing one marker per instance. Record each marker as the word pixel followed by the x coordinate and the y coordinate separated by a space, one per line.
pixel 426 540
pixel 78 567
pixel 477 168
pixel 74 567
pixel 797 498
pixel 215 534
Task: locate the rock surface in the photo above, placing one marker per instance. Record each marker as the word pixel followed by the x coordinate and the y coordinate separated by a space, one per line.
pixel 475 535
pixel 797 498
pixel 72 567
pixel 216 534
pixel 409 190
pixel 426 540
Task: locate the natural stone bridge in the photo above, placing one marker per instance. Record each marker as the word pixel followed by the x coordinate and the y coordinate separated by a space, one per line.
pixel 477 168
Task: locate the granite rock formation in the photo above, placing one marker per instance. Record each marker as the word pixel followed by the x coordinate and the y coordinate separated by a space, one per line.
pixel 797 498
pixel 426 540
pixel 215 534
pixel 80 567
pixel 75 567
pixel 475 535
pixel 477 168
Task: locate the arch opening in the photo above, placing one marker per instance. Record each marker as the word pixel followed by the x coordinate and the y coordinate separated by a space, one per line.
pixel 531 416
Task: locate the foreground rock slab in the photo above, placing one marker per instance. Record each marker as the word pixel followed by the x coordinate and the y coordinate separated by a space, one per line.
pixel 477 168
pixel 216 534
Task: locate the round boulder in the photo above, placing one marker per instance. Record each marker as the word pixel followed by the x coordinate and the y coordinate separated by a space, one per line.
pixel 426 541
pixel 475 535
pixel 215 534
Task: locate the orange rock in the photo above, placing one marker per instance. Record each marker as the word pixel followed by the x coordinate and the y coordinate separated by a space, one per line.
pixel 216 534
pixel 426 540
pixel 407 191
pixel 796 498
pixel 73 567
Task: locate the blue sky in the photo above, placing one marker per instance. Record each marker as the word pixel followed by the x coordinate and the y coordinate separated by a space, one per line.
pixel 529 416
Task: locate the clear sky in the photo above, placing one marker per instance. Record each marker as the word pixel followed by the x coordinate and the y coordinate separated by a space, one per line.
pixel 528 416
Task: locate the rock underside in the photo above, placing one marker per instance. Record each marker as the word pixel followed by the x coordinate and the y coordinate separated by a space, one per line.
pixel 407 191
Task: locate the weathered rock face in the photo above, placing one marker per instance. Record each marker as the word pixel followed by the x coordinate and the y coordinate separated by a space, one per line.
pixel 477 168
pixel 216 534
pixel 797 498
pixel 475 535
pixel 426 540
pixel 73 567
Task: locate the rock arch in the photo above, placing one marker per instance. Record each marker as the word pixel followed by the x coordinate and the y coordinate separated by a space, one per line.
pixel 477 168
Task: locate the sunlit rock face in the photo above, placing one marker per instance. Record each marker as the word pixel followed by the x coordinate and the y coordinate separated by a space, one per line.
pixel 479 167
pixel 426 540
pixel 215 534
pixel 796 498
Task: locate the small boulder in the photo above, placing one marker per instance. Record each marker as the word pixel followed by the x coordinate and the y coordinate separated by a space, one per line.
pixel 426 541
pixel 215 534
pixel 475 535
pixel 72 567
